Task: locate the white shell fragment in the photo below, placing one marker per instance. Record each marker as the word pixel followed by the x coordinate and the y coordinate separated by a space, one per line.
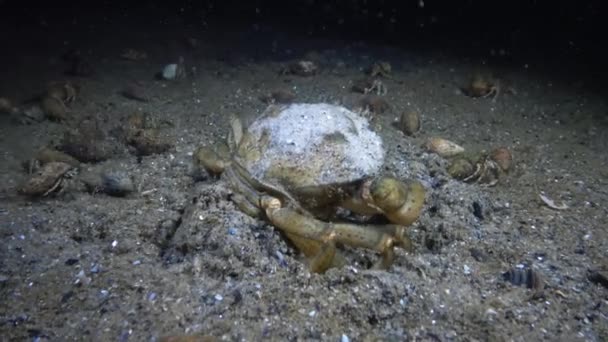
pixel 551 204
pixel 170 72
pixel 443 147
pixel 299 141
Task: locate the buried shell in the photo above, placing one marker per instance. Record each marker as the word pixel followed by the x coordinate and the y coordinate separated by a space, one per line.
pixel 86 145
pixel 65 92
pixel 206 158
pixel 409 122
pixel 461 168
pixel 481 86
pixel 301 68
pixel 443 148
pixel 6 106
pixel 148 141
pixel 48 155
pixel 524 277
pixel 54 108
pixel 46 180
pixel 503 157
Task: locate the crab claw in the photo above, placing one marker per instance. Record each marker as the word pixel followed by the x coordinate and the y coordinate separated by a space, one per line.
pixel 399 202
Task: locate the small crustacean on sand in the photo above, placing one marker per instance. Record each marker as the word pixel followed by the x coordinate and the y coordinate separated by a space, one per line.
pixel 297 175
pixel 47 180
pixel 57 98
pixel 369 86
pixel 380 68
pixel 485 168
pixel 300 68
pixel 482 86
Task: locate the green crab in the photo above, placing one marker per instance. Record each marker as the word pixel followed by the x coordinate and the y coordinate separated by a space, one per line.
pixel 297 165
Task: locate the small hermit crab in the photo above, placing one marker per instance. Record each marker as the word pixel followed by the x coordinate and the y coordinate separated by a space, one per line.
pixel 380 68
pixel 48 179
pixel 57 98
pixel 485 168
pixel 482 86
pixel 296 165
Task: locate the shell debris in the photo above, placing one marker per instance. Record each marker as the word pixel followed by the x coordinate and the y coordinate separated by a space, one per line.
pixel 443 147
pixel 551 203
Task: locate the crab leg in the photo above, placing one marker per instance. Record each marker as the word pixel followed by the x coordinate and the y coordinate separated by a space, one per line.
pixel 321 249
pixel 379 238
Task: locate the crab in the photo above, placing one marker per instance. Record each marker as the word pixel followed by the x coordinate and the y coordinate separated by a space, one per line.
pixel 57 98
pixel 65 92
pixel 485 169
pixel 377 87
pixel 48 179
pixel 380 68
pixel 483 86
pixel 298 166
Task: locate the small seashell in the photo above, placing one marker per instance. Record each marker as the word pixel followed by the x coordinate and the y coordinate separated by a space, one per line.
pixel 136 121
pixel 48 155
pixel 524 277
pixel 53 108
pixel 148 141
pixel 170 71
pixel 503 157
pixel 209 160
pixel 551 203
pixel 443 147
pixel 302 68
pixel 112 182
pixel 116 183
pixel 5 105
pixel 65 92
pixel 86 146
pixel 134 91
pixel 409 122
pixel 479 86
pixel 461 168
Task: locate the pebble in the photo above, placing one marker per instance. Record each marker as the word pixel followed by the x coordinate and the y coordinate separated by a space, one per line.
pixel 103 294
pixel 116 183
pixel 344 338
pixel 218 297
pixel 232 231
pixel 95 268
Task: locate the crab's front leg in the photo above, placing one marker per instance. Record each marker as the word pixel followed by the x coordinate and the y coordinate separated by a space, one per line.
pixel 401 203
pixel 381 238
